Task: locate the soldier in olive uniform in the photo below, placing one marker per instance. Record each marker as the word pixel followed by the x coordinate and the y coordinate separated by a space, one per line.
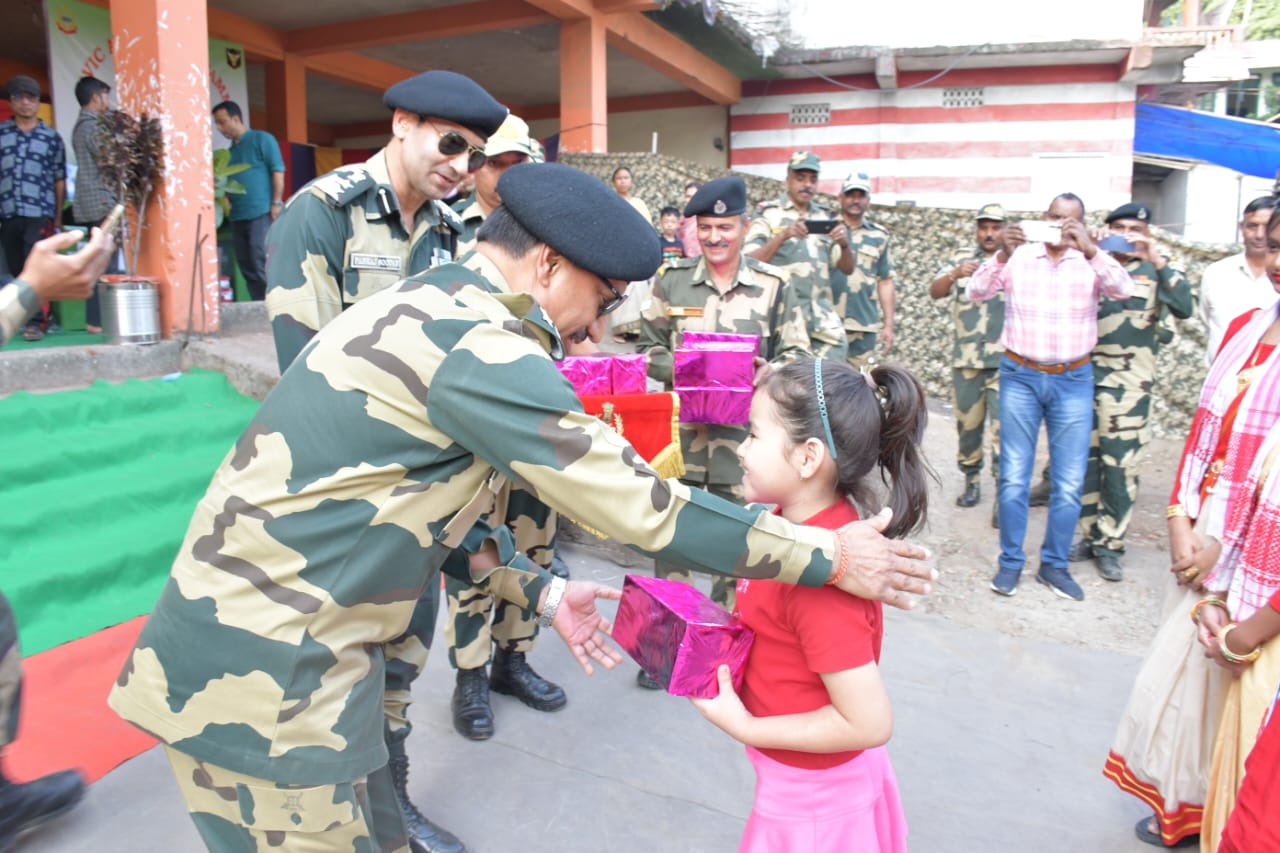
pixel 779 235
pixel 472 610
pixel 867 244
pixel 722 290
pixel 1124 369
pixel 46 276
pixel 975 358
pixel 353 233
pixel 381 450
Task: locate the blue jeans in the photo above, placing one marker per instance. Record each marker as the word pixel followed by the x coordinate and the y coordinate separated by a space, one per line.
pixel 1064 403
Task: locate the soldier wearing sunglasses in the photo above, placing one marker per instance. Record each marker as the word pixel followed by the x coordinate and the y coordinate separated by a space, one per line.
pixel 352 233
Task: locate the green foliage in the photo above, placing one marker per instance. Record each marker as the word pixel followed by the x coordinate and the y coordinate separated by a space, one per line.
pixel 223 183
pixel 131 156
pixel 1264 16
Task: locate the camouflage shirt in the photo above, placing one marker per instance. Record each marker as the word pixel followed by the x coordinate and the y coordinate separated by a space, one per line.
pixel 808 264
pixel 978 324
pixel 471 215
pixel 1125 355
pixel 340 239
pixel 761 302
pixel 18 303
pixel 329 515
pixel 856 296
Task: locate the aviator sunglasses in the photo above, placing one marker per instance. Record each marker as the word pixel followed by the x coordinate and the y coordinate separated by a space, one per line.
pixel 452 143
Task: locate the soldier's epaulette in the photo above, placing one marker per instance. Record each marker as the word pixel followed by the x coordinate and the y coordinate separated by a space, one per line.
pixel 875 226
pixel 449 216
pixel 343 185
pixel 765 205
pixel 680 263
pixel 767 268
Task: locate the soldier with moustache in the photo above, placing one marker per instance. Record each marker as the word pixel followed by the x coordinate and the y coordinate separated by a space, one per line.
pixel 721 290
pixel 778 235
pixel 1124 369
pixel 975 355
pixel 353 233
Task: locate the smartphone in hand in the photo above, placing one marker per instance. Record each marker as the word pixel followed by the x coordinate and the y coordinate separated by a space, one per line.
pixel 820 226
pixel 1039 231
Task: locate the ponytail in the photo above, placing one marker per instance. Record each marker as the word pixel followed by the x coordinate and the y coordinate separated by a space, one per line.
pixel 903 468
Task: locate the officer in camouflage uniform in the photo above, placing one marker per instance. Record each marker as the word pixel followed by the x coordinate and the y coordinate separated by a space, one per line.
pixel 867 243
pixel 778 235
pixel 975 359
pixel 472 610
pixel 722 290
pixel 383 449
pixel 46 276
pixel 1124 368
pixel 353 233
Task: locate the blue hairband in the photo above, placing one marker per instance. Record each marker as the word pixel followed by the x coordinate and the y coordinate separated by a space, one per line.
pixel 822 405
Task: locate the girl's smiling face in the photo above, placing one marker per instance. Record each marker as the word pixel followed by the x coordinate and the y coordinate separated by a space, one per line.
pixel 770 473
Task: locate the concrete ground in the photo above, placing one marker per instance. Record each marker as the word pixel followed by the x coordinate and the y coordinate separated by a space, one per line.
pixel 998 745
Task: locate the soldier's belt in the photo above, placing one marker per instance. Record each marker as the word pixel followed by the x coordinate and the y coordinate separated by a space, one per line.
pixel 1060 367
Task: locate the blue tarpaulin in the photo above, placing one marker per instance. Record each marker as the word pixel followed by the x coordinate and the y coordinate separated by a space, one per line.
pixel 1249 147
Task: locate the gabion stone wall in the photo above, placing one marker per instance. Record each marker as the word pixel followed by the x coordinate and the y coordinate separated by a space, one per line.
pixel 923 239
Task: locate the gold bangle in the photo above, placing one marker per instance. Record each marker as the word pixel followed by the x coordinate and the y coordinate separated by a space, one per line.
pixel 1176 511
pixel 1207 601
pixel 1230 655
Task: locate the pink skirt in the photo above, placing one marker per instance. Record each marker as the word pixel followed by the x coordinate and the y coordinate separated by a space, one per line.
pixel 850 808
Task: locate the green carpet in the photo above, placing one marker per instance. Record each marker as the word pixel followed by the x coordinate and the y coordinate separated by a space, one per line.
pixel 99 485
pixel 60 338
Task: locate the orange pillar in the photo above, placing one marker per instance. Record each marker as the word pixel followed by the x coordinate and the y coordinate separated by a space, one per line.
pixel 584 112
pixel 161 50
pixel 287 99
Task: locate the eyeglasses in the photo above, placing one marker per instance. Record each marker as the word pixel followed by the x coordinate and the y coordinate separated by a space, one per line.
pixel 452 144
pixel 612 304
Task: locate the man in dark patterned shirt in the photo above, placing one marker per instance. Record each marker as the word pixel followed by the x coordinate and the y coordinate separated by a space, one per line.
pixel 33 170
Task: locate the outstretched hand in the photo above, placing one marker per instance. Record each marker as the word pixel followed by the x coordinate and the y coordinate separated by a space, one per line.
pixel 581 626
pixel 884 569
pixel 55 277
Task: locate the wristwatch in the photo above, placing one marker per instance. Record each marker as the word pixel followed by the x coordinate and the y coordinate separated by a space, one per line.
pixel 555 592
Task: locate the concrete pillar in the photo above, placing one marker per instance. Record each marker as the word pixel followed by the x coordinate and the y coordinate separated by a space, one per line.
pixel 584 111
pixel 161 50
pixel 287 99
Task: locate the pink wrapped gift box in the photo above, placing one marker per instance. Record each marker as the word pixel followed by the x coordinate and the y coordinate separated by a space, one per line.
pixel 629 373
pixel 594 375
pixel 679 636
pixel 713 374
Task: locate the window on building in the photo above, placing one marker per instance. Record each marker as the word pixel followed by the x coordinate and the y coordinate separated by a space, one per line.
pixel 810 113
pixel 963 96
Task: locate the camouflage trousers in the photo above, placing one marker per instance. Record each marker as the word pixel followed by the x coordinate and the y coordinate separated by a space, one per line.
pixel 862 348
pixel 1121 432
pixel 235 813
pixel 723 587
pixel 476 619
pixel 975 397
pixel 405 657
pixel 10 674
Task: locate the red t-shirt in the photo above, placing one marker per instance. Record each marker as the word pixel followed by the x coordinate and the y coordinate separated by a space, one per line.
pixel 800 632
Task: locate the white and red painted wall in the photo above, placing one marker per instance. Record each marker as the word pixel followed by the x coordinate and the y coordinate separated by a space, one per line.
pixel 1014 135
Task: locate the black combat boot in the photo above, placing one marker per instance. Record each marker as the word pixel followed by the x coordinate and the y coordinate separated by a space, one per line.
pixel 27 805
pixel 472 716
pixel 423 834
pixel 512 675
pixel 972 493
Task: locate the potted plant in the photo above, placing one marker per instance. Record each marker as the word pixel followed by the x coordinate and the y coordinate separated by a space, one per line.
pixel 130 152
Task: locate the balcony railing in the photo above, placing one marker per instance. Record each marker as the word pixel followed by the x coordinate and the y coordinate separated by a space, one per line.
pixel 1230 36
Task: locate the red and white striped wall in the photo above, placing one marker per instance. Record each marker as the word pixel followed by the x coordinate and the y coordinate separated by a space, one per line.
pixel 1039 131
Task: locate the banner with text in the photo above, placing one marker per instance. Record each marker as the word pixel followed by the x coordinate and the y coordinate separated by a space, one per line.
pixel 81 44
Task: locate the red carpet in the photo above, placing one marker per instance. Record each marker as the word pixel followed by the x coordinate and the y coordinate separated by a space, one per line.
pixel 65 719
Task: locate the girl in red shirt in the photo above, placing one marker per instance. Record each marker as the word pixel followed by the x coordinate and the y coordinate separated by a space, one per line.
pixel 813 712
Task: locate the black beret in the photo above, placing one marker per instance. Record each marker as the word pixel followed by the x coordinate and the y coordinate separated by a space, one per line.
pixel 450 96
pixel 721 197
pixel 1132 210
pixel 582 219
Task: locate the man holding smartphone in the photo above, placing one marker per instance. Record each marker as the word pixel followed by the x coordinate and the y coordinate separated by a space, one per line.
pixel 864 245
pixel 1051 326
pixel 779 235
